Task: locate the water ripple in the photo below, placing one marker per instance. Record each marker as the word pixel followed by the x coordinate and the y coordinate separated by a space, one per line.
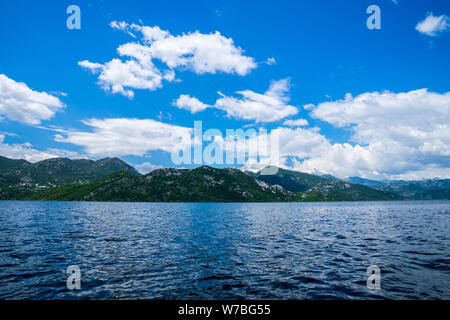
pixel 225 251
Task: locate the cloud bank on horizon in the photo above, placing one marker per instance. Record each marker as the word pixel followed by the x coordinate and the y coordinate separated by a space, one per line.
pixel 388 135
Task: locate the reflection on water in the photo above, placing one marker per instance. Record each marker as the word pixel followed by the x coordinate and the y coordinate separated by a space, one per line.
pixel 225 251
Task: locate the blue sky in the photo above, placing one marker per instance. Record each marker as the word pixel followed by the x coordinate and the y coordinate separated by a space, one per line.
pixel 323 50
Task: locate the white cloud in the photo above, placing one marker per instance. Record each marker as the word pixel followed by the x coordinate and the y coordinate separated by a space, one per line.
pixel 20 103
pixel 416 114
pixel 189 103
pixel 312 152
pixel 122 136
pixel 296 123
pixel 396 134
pixel 198 52
pixel 432 25
pixel 147 167
pixel 293 142
pixel 270 61
pixel 301 143
pixel 58 93
pixel 27 152
pixel 116 75
pixel 119 25
pixel 268 107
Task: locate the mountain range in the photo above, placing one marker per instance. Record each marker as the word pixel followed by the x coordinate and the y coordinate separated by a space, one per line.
pixel 111 179
pixel 431 189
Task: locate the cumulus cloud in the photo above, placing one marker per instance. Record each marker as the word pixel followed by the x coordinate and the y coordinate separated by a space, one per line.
pixel 396 134
pixel 20 103
pixel 400 114
pixel 190 103
pixel 433 25
pixel 195 51
pixel 268 107
pixel 28 152
pixel 116 75
pixel 345 160
pixel 296 123
pixel 123 136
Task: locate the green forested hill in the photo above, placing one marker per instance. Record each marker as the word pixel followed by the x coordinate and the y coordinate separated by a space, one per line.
pixel 20 178
pixel 206 184
pixel 203 184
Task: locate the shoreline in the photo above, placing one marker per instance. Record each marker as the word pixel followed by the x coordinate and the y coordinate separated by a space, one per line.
pixel 229 202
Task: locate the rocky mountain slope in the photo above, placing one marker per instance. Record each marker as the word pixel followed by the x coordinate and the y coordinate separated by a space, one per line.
pixel 315 188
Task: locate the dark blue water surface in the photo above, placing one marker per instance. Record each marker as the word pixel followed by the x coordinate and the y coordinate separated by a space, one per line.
pixel 225 251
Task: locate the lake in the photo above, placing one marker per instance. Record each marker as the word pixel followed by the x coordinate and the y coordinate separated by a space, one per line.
pixel 225 251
